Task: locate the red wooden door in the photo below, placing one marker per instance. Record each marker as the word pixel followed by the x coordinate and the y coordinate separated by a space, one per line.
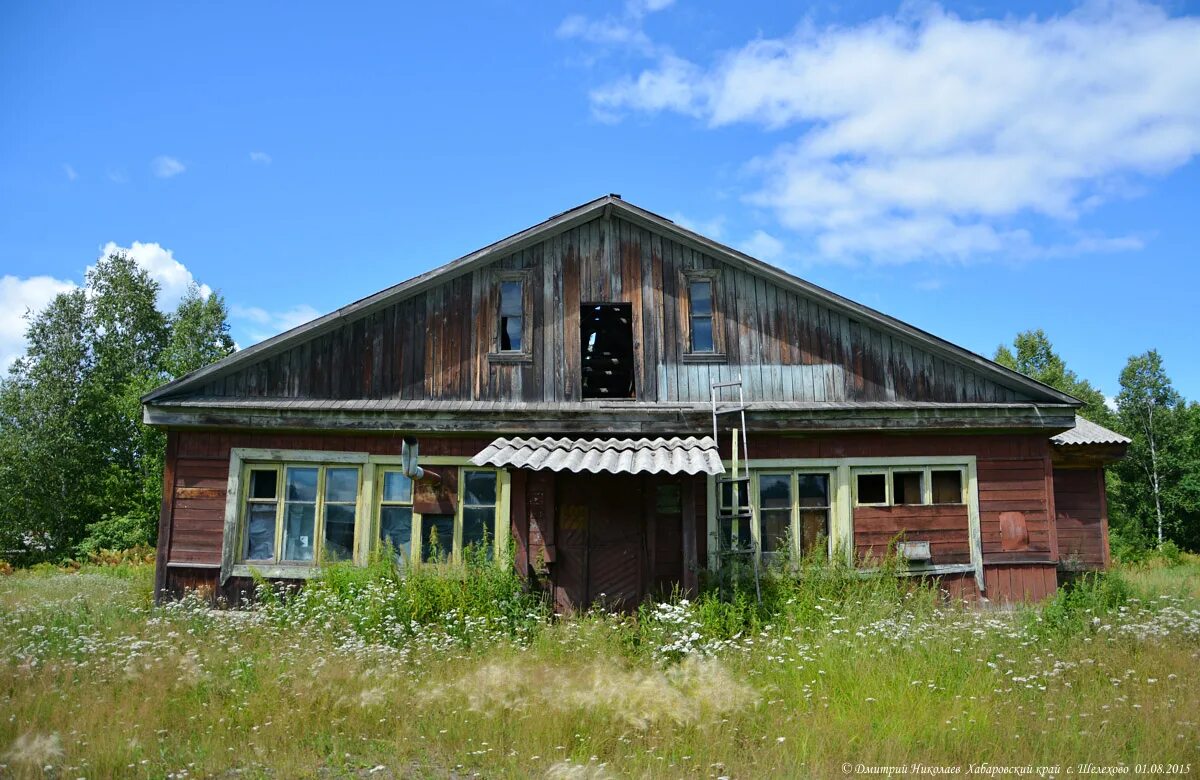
pixel 601 541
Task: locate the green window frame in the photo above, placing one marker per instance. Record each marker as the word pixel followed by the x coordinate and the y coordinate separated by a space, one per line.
pixel 803 498
pixel 312 505
pixel 480 515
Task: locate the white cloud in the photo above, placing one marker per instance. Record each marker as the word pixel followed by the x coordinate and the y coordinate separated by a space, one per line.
pixel 69 172
pixel 924 134
pixel 172 276
pixel 712 228
pixel 621 31
pixel 764 246
pixel 261 158
pixel 259 323
pixel 18 296
pixel 165 167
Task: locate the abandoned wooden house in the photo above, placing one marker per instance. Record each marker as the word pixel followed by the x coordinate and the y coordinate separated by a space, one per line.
pixel 559 384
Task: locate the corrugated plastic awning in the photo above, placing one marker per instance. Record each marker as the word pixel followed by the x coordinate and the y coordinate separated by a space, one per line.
pixel 616 456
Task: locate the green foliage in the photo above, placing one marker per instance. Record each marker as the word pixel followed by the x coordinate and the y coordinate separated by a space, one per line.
pixel 1035 357
pixel 77 466
pixel 116 532
pixel 386 603
pixel 1082 605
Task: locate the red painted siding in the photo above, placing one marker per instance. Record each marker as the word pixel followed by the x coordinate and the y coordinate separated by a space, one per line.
pixel 1081 517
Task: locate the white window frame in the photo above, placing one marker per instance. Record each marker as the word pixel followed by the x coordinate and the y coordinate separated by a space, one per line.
pixel 367 523
pixel 926 470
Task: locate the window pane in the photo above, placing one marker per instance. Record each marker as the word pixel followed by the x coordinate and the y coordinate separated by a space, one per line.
pixel 260 532
pixel 743 537
pixel 301 484
pixel 775 491
pixel 510 299
pixel 438 535
pixel 397 487
pixel 947 487
pixel 701 298
pixel 776 526
pixel 814 525
pixel 341 485
pixel 263 483
pixel 395 526
pixel 908 487
pixel 510 333
pixel 339 532
pixel 479 528
pixel 298 523
pixel 813 489
pixel 480 489
pixel 872 488
pixel 702 334
pixel 727 494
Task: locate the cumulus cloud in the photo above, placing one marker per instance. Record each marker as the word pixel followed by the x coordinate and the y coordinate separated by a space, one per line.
pixel 923 134
pixel 260 158
pixel 172 276
pixel 18 296
pixel 165 167
pixel 763 246
pixel 259 323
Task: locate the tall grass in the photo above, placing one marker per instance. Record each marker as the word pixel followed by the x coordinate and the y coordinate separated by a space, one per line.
pixel 455 672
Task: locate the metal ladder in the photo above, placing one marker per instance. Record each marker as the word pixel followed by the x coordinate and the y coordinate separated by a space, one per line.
pixel 739 482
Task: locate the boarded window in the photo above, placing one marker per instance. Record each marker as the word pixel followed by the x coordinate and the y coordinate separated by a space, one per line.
pixel 700 298
pixel 606 346
pixel 947 486
pixel 908 487
pixel 512 316
pixel 871 488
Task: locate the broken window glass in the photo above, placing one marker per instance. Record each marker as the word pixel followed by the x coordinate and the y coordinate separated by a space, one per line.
pixel 606 348
pixel 512 317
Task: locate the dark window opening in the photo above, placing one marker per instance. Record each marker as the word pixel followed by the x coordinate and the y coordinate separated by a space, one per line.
pixel 908 487
pixel 947 487
pixel 700 298
pixel 872 488
pixel 512 318
pixel 606 346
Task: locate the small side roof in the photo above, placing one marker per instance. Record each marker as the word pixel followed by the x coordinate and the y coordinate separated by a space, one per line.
pixel 1087 432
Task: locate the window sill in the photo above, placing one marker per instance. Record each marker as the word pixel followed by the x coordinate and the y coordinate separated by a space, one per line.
pixel 509 357
pixel 704 357
pixel 276 571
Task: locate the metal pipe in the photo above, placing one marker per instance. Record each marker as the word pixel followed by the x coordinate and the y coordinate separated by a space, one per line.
pixel 408 462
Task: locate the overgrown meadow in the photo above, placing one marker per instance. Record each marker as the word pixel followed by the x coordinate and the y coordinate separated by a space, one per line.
pixel 368 674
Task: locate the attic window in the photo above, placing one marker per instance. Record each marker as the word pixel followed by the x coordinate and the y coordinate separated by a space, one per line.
pixel 512 316
pixel 700 295
pixel 606 347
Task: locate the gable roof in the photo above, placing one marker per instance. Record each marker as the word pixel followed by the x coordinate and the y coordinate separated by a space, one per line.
pixel 571 218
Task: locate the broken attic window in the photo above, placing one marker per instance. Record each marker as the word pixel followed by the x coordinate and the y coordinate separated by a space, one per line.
pixel 512 318
pixel 606 347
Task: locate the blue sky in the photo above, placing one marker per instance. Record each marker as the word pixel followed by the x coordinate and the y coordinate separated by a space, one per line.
pixel 974 170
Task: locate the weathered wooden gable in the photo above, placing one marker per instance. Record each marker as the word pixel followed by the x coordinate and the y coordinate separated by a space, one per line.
pixel 787 343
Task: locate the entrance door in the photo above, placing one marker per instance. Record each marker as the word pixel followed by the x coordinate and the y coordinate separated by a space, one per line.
pixel 601 541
